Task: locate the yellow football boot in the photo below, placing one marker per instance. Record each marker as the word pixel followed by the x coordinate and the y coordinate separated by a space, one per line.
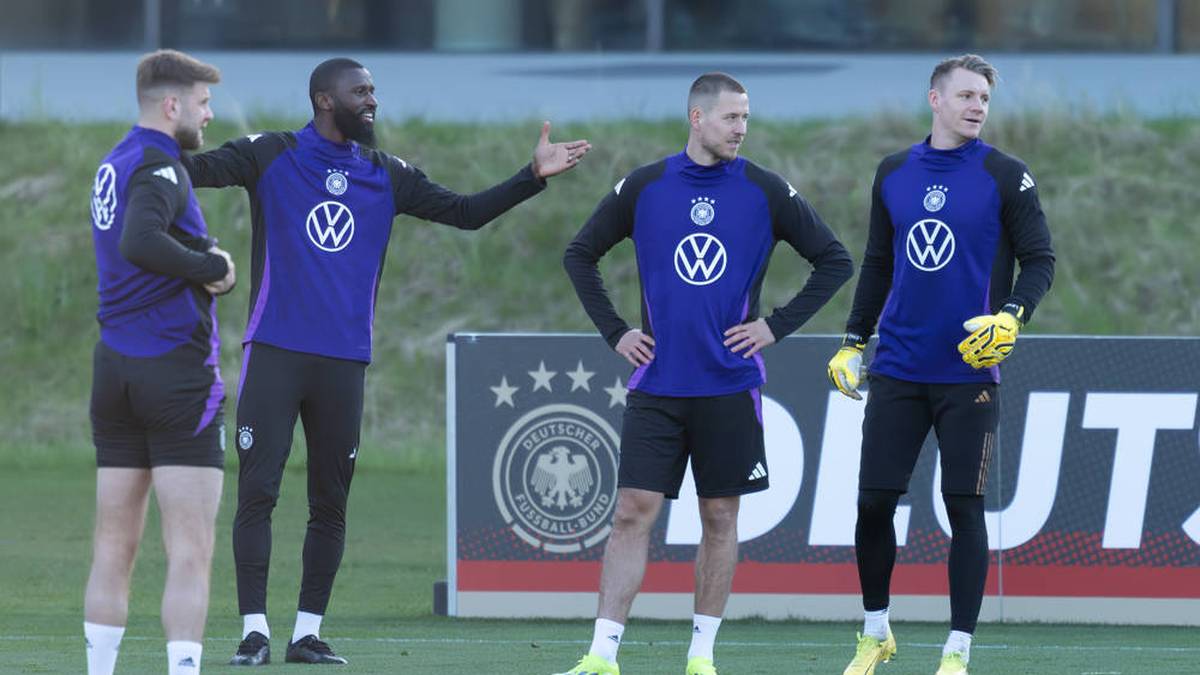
pixel 952 664
pixel 870 653
pixel 699 665
pixel 593 665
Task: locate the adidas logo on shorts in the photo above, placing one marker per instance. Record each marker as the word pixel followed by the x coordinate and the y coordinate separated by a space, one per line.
pixel 758 472
pixel 983 397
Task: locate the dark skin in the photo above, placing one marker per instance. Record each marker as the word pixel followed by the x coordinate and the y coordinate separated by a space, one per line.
pixel 354 93
pixel 353 90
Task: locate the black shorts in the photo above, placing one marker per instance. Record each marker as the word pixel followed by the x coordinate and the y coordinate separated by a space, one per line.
pixel 723 436
pixel 898 418
pixel 158 411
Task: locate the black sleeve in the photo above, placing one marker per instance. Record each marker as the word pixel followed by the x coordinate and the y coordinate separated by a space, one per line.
pixel 611 222
pixel 418 196
pixel 796 222
pixel 875 274
pixel 234 163
pixel 1024 225
pixel 154 203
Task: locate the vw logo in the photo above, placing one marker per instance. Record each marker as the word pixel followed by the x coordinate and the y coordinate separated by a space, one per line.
pixel 104 197
pixel 929 245
pixel 330 226
pixel 700 259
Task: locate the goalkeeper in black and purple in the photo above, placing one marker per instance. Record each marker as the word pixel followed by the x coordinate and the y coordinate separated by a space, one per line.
pixel 948 218
pixel 322 201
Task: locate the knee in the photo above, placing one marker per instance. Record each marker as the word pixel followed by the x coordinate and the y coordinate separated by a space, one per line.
pixel 257 495
pixel 966 513
pixel 719 516
pixel 877 505
pixel 114 552
pixel 191 550
pixel 330 515
pixel 635 512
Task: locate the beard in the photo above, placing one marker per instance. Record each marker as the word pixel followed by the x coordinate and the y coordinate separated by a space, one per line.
pixel 721 151
pixel 352 126
pixel 189 138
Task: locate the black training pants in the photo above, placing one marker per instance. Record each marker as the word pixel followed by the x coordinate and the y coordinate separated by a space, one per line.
pixel 327 394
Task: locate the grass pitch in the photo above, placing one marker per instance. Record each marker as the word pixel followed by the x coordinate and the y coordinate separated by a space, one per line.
pixel 380 616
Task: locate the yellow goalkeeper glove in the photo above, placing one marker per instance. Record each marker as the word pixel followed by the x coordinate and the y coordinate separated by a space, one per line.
pixel 845 368
pixel 992 336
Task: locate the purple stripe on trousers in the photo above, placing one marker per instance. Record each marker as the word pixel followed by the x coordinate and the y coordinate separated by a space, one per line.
pixel 756 394
pixel 260 303
pixel 216 393
pixel 245 366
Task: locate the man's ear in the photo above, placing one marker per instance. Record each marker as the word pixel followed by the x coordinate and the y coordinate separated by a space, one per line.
pixel 324 101
pixel 170 106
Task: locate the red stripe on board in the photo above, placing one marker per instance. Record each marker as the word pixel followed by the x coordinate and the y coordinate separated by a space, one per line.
pixel 842 578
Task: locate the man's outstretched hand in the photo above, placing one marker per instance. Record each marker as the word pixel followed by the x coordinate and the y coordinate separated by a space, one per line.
pixel 551 159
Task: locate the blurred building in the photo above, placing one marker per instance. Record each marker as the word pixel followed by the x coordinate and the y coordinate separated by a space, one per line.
pixel 457 26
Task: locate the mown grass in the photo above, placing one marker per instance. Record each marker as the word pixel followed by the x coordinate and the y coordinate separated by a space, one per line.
pixel 1119 193
pixel 379 615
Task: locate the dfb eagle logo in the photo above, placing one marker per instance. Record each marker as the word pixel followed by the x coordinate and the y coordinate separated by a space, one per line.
pixel 561 479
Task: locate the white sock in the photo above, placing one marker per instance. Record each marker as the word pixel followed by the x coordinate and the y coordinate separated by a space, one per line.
pixel 103 642
pixel 958 642
pixel 255 622
pixel 875 623
pixel 183 658
pixel 606 639
pixel 307 623
pixel 704 633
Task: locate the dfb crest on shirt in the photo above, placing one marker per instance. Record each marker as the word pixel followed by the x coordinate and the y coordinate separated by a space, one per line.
pixel 703 210
pixel 336 182
pixel 935 198
pixel 555 477
pixel 104 197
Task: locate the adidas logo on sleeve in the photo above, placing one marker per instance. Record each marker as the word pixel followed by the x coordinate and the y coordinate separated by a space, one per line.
pixel 1027 182
pixel 167 173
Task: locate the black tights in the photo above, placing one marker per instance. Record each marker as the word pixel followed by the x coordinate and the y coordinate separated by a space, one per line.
pixel 875 548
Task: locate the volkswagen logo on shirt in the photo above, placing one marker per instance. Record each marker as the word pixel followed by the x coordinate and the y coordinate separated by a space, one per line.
pixel 104 197
pixel 330 226
pixel 700 259
pixel 929 245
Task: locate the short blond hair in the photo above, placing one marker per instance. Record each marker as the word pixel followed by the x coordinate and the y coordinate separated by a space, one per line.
pixel 708 87
pixel 171 68
pixel 972 62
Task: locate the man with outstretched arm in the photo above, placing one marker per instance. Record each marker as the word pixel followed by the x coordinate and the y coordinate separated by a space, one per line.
pixel 322 201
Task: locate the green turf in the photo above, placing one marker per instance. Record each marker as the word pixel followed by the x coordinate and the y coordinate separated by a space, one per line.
pixel 380 613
